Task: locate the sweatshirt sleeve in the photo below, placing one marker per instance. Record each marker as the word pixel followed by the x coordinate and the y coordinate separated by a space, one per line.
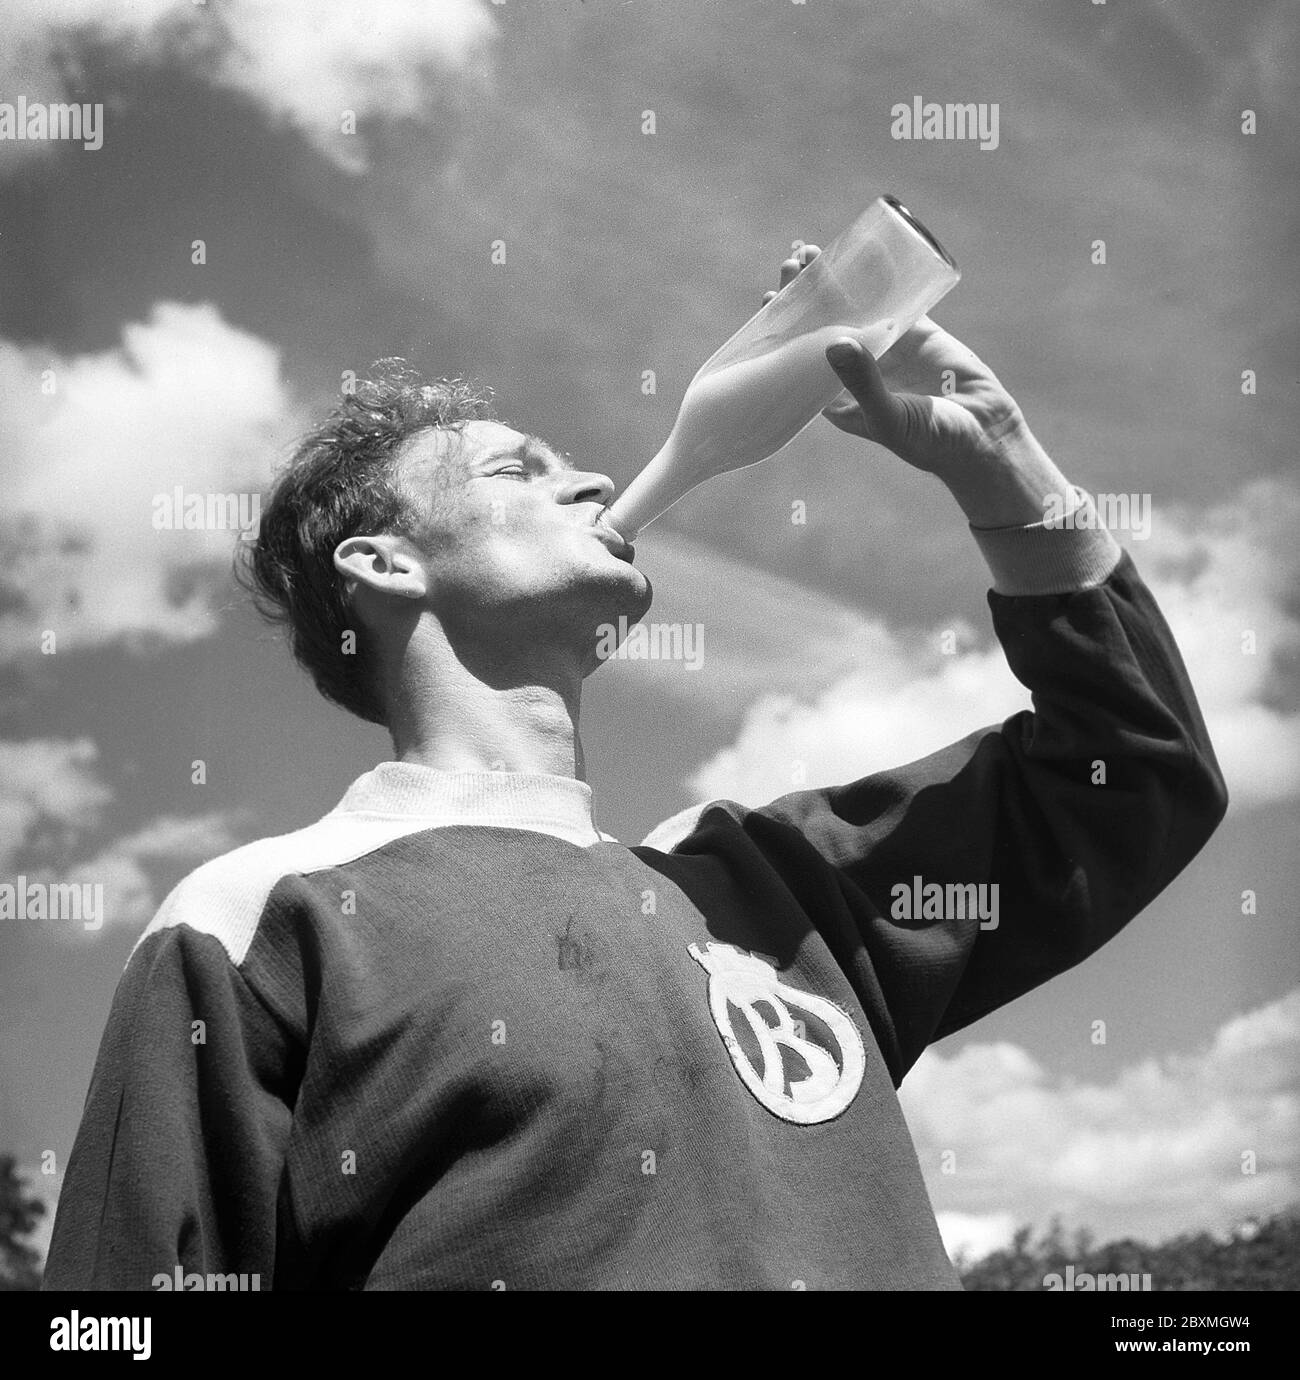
pixel 1078 813
pixel 182 1140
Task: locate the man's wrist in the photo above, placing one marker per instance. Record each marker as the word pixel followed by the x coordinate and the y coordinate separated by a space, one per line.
pixel 1037 532
pixel 1009 482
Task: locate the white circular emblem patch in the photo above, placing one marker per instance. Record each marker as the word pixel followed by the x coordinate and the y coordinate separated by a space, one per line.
pixel 741 980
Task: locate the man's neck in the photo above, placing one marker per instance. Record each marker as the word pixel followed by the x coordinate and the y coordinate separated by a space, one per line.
pixel 504 718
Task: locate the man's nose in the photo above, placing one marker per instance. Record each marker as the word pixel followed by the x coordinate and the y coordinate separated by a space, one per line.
pixel 583 487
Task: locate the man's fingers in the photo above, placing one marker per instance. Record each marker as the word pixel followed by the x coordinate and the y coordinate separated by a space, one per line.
pixel 859 373
pixel 845 414
pixel 792 267
pixel 800 259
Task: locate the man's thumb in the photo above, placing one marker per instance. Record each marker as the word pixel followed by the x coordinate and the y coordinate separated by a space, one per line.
pixel 843 354
pixel 858 372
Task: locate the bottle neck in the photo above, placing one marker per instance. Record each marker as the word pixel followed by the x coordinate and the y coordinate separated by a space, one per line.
pixel 652 492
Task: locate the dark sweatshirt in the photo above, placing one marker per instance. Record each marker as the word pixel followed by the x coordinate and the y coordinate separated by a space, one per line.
pixel 451 1036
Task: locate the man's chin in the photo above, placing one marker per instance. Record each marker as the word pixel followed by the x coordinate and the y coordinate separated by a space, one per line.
pixel 614 627
pixel 628 595
pixel 645 597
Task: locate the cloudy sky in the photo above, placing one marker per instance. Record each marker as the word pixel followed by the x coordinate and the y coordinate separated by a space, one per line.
pixel 348 167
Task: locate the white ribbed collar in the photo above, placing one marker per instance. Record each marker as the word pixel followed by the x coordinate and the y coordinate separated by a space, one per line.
pixel 556 805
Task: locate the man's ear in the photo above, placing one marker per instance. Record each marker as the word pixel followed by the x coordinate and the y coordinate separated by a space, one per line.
pixel 386 564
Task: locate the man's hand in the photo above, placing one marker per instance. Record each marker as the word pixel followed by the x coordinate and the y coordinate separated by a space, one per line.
pixel 934 403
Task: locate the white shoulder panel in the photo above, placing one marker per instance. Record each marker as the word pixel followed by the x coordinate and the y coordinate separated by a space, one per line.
pixel 666 836
pixel 225 897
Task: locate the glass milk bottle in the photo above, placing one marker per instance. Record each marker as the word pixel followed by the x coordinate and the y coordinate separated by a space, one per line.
pixel 771 379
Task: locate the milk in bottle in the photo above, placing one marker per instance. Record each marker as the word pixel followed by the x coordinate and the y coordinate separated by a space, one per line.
pixel 771 379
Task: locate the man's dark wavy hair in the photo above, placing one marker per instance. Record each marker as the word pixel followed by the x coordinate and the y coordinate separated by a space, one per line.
pixel 344 480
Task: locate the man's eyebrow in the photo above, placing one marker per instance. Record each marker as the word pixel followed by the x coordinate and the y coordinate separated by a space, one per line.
pixel 530 448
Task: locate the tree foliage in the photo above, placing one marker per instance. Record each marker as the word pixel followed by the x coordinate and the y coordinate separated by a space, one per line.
pixel 19 1214
pixel 1260 1255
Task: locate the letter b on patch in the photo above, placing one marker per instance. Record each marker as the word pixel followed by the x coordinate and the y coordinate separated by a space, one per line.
pixel 834 1062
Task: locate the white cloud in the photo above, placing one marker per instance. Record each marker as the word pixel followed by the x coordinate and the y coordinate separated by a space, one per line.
pixel 179 837
pixel 311 62
pixel 130 896
pixel 1156 1152
pixel 50 787
pixel 53 801
pixel 186 400
pixel 305 64
pixel 1217 576
pixel 914 699
pixel 972 1235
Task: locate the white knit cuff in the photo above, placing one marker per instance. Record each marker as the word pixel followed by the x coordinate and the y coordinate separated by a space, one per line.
pixel 1062 553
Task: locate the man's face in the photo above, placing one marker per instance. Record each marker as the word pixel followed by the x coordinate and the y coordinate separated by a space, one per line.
pixel 514 535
